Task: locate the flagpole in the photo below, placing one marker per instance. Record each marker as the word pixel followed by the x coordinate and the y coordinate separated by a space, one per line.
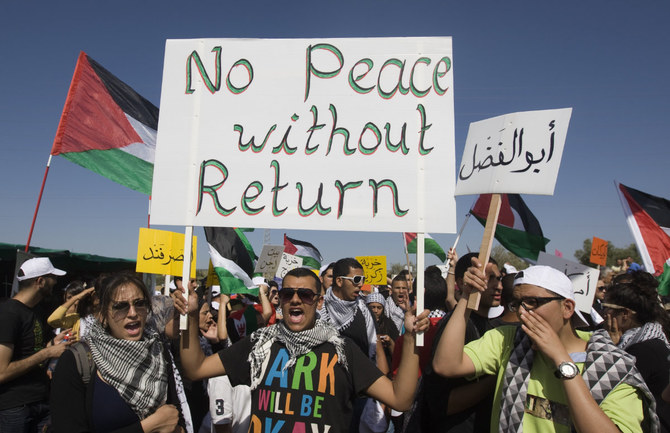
pixel 39 200
pixel 420 248
pixel 458 237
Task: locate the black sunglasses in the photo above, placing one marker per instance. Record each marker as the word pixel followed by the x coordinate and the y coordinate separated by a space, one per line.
pixel 307 296
pixel 121 308
pixel 532 302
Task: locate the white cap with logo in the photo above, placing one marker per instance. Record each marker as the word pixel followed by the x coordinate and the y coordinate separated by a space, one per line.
pixel 37 267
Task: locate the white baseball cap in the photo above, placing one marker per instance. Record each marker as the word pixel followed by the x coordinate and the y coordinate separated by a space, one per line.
pixel 552 280
pixel 37 267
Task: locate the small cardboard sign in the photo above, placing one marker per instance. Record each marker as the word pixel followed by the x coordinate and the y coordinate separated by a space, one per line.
pixel 212 278
pixel 268 262
pixel 598 251
pixel 584 279
pixel 288 262
pixel 374 268
pixel 514 153
pixel 162 252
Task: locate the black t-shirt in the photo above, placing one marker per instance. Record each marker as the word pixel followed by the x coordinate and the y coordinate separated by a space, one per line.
pixel 20 326
pixel 316 394
pixel 652 361
pixel 433 399
pixel 357 331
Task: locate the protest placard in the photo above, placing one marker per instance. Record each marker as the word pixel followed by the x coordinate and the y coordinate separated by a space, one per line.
pixel 374 268
pixel 337 134
pixel 288 262
pixel 514 153
pixel 598 251
pixel 268 262
pixel 584 279
pixel 162 252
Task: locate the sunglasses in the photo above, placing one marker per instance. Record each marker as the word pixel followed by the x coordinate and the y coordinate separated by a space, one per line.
pixel 121 309
pixel 307 296
pixel 532 302
pixel 358 279
pixel 602 288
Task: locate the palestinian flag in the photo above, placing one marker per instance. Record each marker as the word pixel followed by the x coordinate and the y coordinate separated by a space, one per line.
pixel 518 230
pixel 311 257
pixel 429 244
pixel 232 258
pixel 648 218
pixel 107 127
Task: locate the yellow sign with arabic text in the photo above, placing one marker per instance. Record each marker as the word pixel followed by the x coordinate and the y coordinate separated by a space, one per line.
pixel 374 268
pixel 162 252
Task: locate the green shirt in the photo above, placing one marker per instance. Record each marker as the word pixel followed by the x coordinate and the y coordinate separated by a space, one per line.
pixel 490 355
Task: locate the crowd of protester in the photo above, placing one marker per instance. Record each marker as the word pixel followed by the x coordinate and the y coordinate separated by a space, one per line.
pixel 324 352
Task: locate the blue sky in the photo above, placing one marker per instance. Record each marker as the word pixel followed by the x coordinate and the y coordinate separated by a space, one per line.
pixel 605 59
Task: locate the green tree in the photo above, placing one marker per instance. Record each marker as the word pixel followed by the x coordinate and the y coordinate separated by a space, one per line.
pixel 502 256
pixel 583 255
pixel 397 267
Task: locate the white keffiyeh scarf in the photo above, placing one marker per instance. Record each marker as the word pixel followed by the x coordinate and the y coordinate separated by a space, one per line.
pixel 297 344
pixel 394 312
pixel 137 369
pixel 341 313
pixel 648 331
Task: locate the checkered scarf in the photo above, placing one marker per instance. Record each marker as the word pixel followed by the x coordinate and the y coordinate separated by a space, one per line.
pixel 394 312
pixel 605 367
pixel 297 344
pixel 648 331
pixel 137 369
pixel 341 313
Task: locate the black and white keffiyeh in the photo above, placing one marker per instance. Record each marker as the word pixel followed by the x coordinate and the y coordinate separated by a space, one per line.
pixel 137 369
pixel 297 344
pixel 648 331
pixel 394 312
pixel 605 367
pixel 341 313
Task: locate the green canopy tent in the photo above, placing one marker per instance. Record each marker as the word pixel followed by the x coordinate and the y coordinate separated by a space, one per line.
pixel 77 265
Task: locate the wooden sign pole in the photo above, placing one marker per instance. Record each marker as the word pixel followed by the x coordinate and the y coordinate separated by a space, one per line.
pixel 487 241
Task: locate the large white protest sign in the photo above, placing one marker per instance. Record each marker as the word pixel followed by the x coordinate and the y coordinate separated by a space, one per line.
pixel 336 134
pixel 515 153
pixel 584 279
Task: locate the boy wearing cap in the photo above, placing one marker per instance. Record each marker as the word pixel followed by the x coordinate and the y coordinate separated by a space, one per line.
pixel 24 384
pixel 551 378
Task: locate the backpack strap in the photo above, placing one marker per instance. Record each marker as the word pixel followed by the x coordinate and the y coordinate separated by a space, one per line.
pixel 83 359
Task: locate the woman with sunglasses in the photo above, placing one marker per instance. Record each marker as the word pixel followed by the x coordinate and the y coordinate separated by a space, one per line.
pixel 638 324
pixel 127 381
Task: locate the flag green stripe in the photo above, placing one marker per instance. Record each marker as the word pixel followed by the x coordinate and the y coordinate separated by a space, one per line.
pixel 430 246
pixel 116 165
pixel 310 262
pixel 231 284
pixel 518 242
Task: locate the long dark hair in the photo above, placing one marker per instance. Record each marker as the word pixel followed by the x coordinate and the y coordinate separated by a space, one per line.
pixel 637 292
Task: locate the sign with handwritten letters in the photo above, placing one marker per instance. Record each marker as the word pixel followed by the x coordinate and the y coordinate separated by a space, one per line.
pixel 268 262
pixel 162 252
pixel 288 262
pixel 343 134
pixel 598 251
pixel 515 153
pixel 584 279
pixel 374 268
